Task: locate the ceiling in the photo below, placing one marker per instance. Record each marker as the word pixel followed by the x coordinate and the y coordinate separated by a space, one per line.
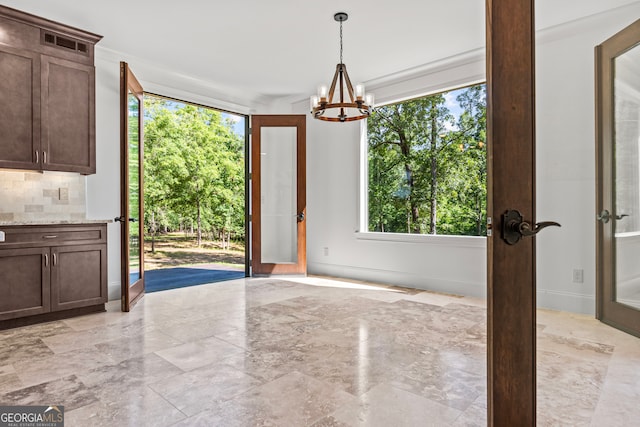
pixel 285 48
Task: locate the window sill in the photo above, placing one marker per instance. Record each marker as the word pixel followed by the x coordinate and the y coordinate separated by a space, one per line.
pixel 443 240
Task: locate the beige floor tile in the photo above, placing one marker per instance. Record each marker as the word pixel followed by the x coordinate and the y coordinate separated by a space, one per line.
pixel 9 380
pixel 32 372
pixel 144 407
pixel 385 405
pixel 308 351
pixel 292 400
pixel 199 353
pixel 137 345
pixel 198 390
pixel 69 392
pixel 434 298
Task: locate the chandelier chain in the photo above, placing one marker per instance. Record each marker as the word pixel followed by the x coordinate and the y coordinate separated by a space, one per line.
pixel 341 42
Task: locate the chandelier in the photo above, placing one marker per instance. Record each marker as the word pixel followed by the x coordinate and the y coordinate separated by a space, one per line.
pixel 332 107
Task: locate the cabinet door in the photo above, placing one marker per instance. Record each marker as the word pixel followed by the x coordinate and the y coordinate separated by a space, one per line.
pixel 24 282
pixel 78 276
pixel 68 116
pixel 20 112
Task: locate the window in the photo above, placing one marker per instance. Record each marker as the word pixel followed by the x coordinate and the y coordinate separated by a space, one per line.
pixel 427 164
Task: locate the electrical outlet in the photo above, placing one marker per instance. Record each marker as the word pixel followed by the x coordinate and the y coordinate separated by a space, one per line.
pixel 326 251
pixel 63 194
pixel 578 275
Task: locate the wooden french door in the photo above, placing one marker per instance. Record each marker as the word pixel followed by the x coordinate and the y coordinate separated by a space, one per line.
pixel 131 178
pixel 618 180
pixel 511 203
pixel 278 194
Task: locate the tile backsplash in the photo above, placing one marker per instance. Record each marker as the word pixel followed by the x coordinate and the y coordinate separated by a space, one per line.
pixel 46 196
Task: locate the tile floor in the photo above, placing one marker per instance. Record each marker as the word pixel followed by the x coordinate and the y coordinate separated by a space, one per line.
pixel 307 352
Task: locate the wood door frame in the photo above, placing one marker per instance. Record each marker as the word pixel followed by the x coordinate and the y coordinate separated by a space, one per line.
pixel 511 293
pixel 130 294
pixel 257 122
pixel 608 310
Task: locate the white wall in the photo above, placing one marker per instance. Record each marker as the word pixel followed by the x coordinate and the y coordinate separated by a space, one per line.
pixel 566 157
pixel 565 181
pixel 103 188
pixel 442 263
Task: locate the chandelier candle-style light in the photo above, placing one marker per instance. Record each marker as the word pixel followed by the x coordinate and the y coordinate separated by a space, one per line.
pixel 324 106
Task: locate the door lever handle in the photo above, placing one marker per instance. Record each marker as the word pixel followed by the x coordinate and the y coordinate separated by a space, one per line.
pixel 300 217
pixel 514 227
pixel 121 219
pixel 526 230
pixel 604 216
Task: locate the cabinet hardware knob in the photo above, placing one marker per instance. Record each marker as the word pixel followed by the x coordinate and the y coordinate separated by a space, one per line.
pixel 37 156
pixel 46 260
pixel 44 157
pixel 55 259
pixel 50 236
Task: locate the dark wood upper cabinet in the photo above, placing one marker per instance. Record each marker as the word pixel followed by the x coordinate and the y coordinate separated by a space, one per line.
pixel 20 112
pixel 48 94
pixel 68 117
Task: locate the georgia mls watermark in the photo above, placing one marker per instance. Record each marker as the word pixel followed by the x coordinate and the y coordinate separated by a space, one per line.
pixel 31 416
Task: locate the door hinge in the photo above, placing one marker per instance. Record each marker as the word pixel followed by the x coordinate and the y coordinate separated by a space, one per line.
pixel 250 176
pixel 250 217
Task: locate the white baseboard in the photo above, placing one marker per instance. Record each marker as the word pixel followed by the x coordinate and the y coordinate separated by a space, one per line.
pixel 114 290
pixel 555 300
pixel 566 301
pixel 400 278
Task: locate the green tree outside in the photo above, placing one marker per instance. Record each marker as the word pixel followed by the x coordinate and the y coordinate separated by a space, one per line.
pixel 194 171
pixel 427 165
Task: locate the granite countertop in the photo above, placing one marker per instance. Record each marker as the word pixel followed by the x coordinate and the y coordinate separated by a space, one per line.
pixel 56 222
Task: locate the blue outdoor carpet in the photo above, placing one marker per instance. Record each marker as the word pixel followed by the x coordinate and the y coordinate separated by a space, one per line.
pixel 182 277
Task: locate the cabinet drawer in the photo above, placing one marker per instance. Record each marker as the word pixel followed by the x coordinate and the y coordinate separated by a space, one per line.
pixel 52 236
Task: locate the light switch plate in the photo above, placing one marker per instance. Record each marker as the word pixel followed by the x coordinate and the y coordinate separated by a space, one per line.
pixel 1 236
pixel 63 194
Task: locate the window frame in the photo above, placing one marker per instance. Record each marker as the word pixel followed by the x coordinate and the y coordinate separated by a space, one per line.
pixel 362 230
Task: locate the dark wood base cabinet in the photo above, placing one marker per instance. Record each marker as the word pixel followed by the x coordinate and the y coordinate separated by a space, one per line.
pixel 51 272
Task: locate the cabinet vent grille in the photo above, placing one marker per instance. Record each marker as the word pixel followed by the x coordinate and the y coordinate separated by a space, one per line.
pixel 66 43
